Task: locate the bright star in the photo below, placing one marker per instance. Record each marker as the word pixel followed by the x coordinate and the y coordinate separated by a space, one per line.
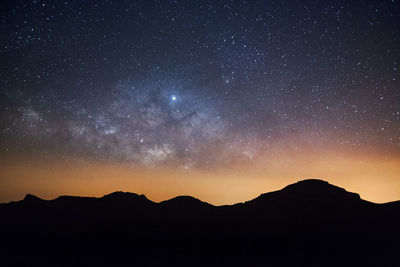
pixel 173 98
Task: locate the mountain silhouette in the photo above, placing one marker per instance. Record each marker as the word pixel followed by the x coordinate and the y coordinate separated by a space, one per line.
pixel 32 199
pixel 309 199
pixel 185 202
pixel 308 223
pixel 309 191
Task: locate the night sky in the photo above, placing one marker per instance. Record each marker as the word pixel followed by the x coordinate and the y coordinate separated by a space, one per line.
pixel 203 90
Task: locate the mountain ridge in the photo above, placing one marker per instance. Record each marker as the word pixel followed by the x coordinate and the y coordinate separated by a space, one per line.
pixel 309 223
pixel 315 187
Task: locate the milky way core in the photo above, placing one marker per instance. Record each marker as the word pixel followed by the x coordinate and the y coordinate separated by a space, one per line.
pixel 220 99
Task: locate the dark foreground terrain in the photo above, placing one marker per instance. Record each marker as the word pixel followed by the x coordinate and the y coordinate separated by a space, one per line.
pixel 310 223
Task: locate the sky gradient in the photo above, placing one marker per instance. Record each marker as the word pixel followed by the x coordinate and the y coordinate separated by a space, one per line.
pixel 221 100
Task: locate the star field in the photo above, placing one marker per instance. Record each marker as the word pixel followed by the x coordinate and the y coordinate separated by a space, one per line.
pixel 198 84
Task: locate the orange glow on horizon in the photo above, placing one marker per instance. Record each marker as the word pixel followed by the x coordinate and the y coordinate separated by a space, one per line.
pixel 376 179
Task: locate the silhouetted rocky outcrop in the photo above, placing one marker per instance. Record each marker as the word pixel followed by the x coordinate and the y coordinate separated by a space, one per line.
pixel 309 223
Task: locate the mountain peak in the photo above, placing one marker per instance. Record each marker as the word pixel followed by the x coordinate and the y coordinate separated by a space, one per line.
pixel 308 190
pixel 31 198
pixel 120 195
pixel 184 201
pixel 311 185
pixel 317 187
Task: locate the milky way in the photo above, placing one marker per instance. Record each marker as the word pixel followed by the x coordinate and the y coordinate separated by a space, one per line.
pixel 198 84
